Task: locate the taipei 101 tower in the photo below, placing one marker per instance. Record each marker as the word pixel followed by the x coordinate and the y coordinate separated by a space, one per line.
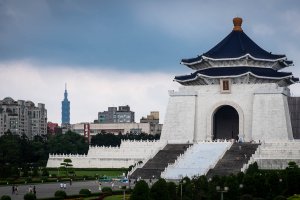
pixel 65 109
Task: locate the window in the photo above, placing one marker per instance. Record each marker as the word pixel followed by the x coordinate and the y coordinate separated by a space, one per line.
pixel 225 85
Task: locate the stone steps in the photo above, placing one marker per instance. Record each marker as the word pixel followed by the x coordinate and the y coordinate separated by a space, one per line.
pixel 233 160
pixel 160 161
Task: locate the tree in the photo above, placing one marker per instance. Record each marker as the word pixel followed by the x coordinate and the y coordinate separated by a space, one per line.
pixel 60 193
pixel 68 143
pixel 200 187
pixel 252 169
pixel 140 191
pixel 85 192
pixel 5 197
pixel 29 196
pixel 293 178
pixel 246 197
pixel 66 165
pixel 280 198
pixel 106 139
pixel 159 190
pixel 171 186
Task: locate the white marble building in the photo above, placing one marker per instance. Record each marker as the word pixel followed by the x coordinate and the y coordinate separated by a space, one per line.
pixel 262 109
pixel 237 90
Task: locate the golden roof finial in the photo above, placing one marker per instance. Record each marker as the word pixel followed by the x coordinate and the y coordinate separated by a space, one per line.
pixel 237 22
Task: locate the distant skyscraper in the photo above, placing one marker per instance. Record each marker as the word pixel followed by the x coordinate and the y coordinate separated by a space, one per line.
pixel 65 109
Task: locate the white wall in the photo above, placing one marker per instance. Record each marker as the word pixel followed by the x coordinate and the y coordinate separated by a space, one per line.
pixel 190 112
pixel 179 120
pixel 129 153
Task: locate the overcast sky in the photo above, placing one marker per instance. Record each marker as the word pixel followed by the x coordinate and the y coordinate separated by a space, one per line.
pixel 114 53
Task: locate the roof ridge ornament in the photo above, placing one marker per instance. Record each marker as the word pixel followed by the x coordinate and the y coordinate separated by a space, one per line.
pixel 237 22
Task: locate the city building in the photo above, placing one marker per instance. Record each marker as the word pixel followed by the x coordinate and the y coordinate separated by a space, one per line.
pixel 65 109
pixel 234 109
pixel 153 118
pixel 122 114
pixel 53 128
pixel 22 117
pixel 118 128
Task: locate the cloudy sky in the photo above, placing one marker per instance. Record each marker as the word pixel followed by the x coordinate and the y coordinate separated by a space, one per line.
pixel 114 53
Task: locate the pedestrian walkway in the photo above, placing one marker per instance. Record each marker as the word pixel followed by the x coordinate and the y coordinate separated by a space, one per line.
pixel 48 189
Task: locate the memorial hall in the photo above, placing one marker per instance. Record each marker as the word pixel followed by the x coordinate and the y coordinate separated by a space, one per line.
pixel 233 109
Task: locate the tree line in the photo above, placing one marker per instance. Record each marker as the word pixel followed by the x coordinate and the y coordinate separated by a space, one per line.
pixel 255 184
pixel 109 139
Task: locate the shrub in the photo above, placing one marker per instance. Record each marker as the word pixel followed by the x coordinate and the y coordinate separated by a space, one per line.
pixel 107 190
pixel 279 198
pixel 159 190
pixel 246 197
pixel 60 193
pixel 85 192
pixel 45 172
pixel 29 196
pixel 140 191
pixel 5 197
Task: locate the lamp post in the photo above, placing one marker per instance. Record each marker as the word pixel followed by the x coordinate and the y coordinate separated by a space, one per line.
pixel 40 169
pixel 181 183
pixel 124 189
pixel 31 172
pixel 20 169
pixel 222 190
pixel 241 186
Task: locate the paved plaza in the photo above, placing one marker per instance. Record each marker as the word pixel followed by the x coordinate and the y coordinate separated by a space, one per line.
pixel 48 189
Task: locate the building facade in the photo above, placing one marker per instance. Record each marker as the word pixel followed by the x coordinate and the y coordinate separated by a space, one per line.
pixel 22 117
pixel 235 91
pixel 153 118
pixel 116 128
pixel 65 109
pixel 122 114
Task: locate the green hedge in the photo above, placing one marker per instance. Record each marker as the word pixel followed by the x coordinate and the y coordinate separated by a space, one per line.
pixel 93 169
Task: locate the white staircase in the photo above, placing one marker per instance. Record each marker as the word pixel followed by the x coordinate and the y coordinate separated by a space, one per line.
pixel 197 160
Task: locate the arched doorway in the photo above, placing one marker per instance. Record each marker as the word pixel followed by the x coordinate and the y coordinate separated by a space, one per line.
pixel 226 123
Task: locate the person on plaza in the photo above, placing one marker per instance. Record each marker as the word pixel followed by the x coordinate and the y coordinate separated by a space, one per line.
pixel 13 189
pixel 16 189
pixel 65 186
pixel 34 191
pixel 30 189
pixel 100 186
pixel 61 185
pixel 70 181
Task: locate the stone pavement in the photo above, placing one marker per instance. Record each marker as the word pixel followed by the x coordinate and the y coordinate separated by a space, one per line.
pixel 48 189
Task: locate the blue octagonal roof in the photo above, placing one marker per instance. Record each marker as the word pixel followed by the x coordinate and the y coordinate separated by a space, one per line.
pixel 236 45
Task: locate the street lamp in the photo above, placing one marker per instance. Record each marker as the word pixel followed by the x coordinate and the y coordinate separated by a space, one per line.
pixel 151 179
pixel 181 183
pixel 124 189
pixel 40 169
pixel 222 190
pixel 31 172
pixel 20 169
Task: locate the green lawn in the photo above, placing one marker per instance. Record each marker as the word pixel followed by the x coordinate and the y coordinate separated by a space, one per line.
pixel 296 197
pixel 99 172
pixel 117 197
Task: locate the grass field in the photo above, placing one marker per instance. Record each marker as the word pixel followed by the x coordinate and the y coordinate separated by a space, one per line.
pixel 99 172
pixel 117 197
pixel 296 197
